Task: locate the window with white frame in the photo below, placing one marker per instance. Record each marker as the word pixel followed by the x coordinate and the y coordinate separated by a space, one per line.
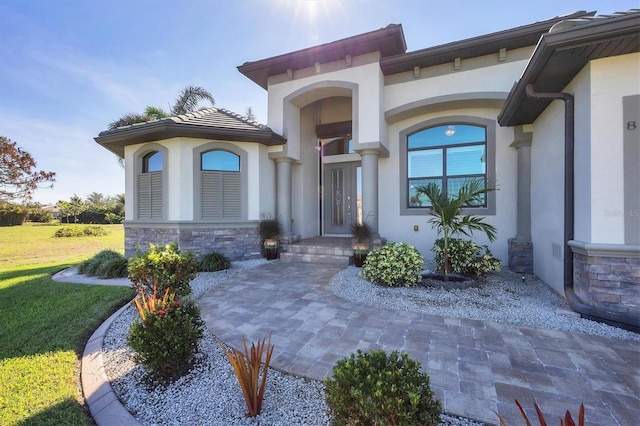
pixel 150 199
pixel 221 185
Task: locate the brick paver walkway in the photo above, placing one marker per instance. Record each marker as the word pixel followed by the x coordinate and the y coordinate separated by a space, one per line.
pixel 476 367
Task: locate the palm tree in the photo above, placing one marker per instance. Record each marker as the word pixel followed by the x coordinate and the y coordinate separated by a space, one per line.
pixel 446 212
pixel 187 101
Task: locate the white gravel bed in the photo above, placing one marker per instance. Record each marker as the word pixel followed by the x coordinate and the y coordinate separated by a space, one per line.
pixel 501 297
pixel 210 394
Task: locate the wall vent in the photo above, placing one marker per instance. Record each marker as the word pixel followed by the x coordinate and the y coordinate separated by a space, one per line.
pixel 556 251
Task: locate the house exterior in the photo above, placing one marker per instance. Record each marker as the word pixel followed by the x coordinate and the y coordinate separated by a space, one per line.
pixel 355 125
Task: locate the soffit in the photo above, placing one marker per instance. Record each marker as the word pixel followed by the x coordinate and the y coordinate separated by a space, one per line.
pixel 562 53
pixel 388 41
pixel 515 38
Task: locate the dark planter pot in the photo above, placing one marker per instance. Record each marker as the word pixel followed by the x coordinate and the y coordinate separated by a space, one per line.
pixel 271 253
pixel 359 259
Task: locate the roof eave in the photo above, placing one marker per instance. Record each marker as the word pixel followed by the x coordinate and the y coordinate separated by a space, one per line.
pixel 389 40
pixel 513 38
pixel 115 140
pixel 512 113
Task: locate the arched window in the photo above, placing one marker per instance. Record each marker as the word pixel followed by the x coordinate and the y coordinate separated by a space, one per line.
pixel 152 162
pixel 221 185
pixel 223 161
pixel 150 194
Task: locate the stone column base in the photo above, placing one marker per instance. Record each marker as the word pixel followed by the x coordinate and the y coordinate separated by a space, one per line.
pixel 521 256
pixel 607 276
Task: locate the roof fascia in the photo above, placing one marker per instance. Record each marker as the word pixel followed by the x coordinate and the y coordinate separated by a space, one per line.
pixel 166 129
pixel 305 58
pixel 513 38
pixel 551 43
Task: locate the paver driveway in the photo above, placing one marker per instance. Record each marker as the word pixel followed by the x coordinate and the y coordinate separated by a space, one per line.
pixel 476 367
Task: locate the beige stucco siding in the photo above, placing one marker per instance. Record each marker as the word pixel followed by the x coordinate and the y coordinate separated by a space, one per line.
pixel 611 80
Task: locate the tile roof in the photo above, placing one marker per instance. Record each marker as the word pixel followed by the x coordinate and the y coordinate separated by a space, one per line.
pixel 210 123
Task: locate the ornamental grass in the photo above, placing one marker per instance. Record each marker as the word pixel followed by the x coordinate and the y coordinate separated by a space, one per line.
pixel 247 369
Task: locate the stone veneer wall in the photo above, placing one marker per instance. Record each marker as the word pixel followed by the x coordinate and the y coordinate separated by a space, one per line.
pixel 236 241
pixel 608 282
pixel 521 256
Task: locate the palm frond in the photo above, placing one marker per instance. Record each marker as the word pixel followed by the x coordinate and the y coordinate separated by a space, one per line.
pixel 189 98
pixel 129 119
pixel 155 112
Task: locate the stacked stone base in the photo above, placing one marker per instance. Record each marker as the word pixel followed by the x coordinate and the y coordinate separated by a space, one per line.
pixel 237 241
pixel 521 256
pixel 610 283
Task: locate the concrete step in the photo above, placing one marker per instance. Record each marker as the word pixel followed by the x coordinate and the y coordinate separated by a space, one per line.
pixel 319 250
pixel 331 259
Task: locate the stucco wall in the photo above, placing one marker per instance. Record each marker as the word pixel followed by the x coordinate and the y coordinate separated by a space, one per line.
pixel 179 172
pixel 401 228
pixel 547 195
pixel 611 80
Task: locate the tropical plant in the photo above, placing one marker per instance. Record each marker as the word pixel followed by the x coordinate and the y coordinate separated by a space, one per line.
pixel 361 232
pixel 165 340
pixel 164 267
pixel 466 257
pixel 568 420
pixel 394 264
pixel 446 213
pixel 247 369
pixel 187 101
pixel 270 229
pixel 379 389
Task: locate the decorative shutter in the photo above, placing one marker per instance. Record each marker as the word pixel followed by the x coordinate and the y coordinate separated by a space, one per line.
pixel 211 199
pixel 221 195
pixel 156 195
pixel 232 208
pixel 144 196
pixel 150 196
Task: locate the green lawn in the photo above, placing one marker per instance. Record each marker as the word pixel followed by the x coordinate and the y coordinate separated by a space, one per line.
pixel 44 324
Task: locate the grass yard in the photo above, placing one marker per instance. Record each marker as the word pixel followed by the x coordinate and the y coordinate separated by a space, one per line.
pixel 44 324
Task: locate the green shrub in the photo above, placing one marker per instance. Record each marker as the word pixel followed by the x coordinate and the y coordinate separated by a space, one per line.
pixel 81 231
pixel 12 214
pixel 213 262
pixel 166 267
pixel 92 266
pixel 466 257
pixel 113 268
pixel 376 389
pixel 165 339
pixel 395 265
pixel 111 217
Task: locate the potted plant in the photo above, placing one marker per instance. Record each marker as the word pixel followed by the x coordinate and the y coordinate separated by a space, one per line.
pixel 359 256
pixel 361 233
pixel 269 232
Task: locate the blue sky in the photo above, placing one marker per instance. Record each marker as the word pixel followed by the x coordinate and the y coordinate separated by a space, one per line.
pixel 69 67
